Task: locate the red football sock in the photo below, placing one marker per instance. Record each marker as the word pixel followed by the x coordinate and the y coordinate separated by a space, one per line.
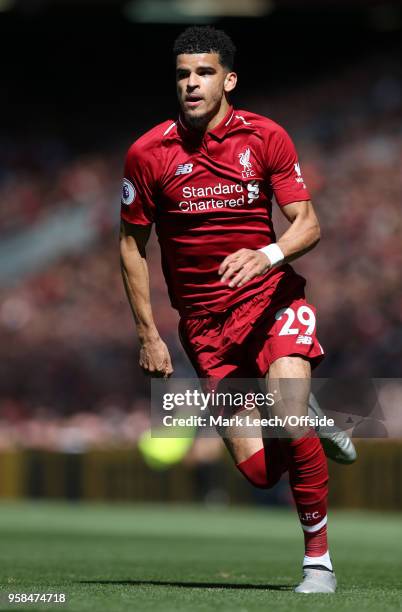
pixel 308 478
pixel 265 468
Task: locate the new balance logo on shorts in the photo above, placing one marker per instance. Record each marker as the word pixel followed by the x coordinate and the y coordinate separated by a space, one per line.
pixel 184 169
pixel 304 340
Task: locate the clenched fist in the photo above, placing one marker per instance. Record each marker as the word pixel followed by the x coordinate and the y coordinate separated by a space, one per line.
pixel 155 359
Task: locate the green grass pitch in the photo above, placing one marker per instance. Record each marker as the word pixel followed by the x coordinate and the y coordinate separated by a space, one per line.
pixel 130 557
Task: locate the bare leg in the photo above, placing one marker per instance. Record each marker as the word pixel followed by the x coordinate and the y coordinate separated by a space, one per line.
pixel 242 448
pixel 289 379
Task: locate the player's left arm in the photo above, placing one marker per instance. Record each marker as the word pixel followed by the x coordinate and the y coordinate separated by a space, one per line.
pixel 284 176
pixel 303 234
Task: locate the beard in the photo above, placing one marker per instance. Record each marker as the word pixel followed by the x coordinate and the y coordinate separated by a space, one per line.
pixel 197 122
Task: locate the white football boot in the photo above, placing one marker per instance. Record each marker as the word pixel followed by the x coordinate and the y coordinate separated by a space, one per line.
pixel 336 443
pixel 317 581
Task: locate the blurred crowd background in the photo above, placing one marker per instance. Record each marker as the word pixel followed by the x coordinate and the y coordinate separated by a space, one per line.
pixel 81 82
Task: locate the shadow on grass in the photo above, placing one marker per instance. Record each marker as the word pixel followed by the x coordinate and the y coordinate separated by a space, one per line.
pixel 194 585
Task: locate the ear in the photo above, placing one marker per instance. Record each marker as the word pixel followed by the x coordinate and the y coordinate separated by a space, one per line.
pixel 230 82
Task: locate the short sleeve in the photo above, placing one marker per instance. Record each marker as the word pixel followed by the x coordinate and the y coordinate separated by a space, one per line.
pixel 139 188
pixel 284 170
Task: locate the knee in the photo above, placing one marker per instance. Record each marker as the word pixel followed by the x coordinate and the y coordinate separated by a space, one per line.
pixel 255 470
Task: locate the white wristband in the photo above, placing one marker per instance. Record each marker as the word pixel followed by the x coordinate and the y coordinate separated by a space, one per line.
pixel 274 254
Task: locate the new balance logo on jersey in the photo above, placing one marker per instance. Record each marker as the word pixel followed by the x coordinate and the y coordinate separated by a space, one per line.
pixel 244 159
pixel 299 178
pixel 184 169
pixel 253 189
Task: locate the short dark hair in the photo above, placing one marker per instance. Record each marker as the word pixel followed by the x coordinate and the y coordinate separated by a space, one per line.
pixel 206 39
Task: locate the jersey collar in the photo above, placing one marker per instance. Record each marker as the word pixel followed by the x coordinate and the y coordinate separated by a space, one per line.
pixel 223 127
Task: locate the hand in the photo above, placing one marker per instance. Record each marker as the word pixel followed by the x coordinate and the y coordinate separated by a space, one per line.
pixel 242 266
pixel 155 359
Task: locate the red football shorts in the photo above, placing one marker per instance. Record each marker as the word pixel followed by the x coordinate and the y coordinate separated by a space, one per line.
pixel 243 341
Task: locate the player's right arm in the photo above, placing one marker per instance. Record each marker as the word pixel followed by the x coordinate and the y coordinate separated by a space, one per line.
pixel 137 215
pixel 154 354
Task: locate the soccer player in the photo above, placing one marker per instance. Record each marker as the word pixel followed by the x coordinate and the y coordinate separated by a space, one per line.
pixel 207 180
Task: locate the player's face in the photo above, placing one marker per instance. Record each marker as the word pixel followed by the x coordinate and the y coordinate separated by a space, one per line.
pixel 202 82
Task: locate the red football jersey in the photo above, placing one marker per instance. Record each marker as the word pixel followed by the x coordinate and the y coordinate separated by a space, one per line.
pixel 209 197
